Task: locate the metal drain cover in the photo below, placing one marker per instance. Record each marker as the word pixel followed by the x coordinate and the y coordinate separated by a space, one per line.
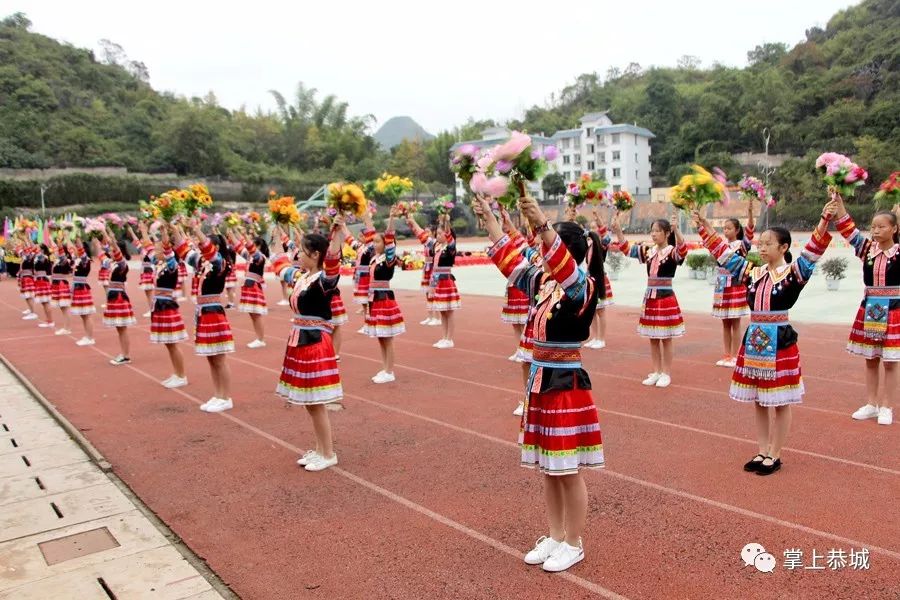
pixel 77 545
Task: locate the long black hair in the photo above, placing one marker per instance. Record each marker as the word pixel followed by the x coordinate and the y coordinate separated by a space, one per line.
pixel 893 219
pixel 784 237
pixel 667 228
pixel 737 226
pixel 261 245
pixel 316 242
pixel 584 245
pixel 227 252
pixel 123 248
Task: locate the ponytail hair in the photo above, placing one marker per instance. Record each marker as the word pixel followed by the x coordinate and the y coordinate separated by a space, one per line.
pixel 667 228
pixel 738 227
pixel 784 237
pixel 262 246
pixel 123 248
pixel 584 246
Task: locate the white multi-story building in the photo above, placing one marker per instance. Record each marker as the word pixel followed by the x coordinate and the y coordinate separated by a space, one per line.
pixel 620 153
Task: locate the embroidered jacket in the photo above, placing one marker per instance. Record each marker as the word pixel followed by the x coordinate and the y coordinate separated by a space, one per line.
pixel 310 297
pixel 881 268
pixel 382 269
pixel 661 265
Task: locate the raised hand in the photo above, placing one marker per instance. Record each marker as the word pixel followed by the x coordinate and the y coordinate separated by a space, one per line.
pixel 530 209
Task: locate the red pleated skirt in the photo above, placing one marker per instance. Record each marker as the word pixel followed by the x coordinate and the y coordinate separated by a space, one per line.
pixel 60 293
pixel 661 318
pixel 82 301
pixel 42 290
pixel 560 432
pixel 733 304
pixel 384 319
pixel 309 374
pixel 515 307
pixel 167 326
pixel 886 347
pixel 361 291
pixel 26 286
pixel 446 296
pixel 608 301
pixel 146 281
pixel 253 299
pixel 786 388
pixel 118 311
pixel 213 335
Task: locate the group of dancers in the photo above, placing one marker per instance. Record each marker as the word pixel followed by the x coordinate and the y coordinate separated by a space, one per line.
pixel 557 294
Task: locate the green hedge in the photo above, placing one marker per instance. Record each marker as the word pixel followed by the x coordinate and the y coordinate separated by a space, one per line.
pixel 80 188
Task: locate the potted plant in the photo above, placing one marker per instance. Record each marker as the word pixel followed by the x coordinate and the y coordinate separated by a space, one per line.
pixel 615 262
pixel 696 262
pixel 834 270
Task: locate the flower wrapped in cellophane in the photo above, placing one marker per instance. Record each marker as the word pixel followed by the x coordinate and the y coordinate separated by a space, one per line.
pixel 347 198
pixel 840 173
pixel 697 189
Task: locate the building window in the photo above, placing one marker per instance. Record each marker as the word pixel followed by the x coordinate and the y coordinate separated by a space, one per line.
pixel 636 176
pixel 617 155
pixel 567 175
pixel 577 159
pixel 590 149
pixel 635 157
pixel 601 156
pixel 590 130
pixel 566 159
pixel 615 138
pixel 635 139
pixel 577 174
pixel 590 165
pixel 618 188
pixel 602 173
pixel 617 172
pixel 565 143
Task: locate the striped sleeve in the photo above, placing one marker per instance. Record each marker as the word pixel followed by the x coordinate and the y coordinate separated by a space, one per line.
pixel 847 228
pixel 605 237
pixel 331 270
pixel 811 253
pixel 514 265
pixel 390 248
pixel 284 269
pixel 733 262
pixel 564 270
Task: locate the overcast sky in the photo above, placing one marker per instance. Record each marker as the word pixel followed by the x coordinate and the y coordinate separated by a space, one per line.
pixel 439 63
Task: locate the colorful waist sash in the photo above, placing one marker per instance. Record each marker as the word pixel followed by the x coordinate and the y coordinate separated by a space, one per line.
pixel 551 355
pixel 117 285
pixel 307 323
pixel 161 293
pixel 761 347
pixel 878 305
pixel 59 277
pixel 659 283
pixel 254 277
pixel 79 279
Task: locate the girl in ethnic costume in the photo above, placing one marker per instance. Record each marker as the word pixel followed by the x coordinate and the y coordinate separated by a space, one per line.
pixel 361 275
pixel 427 239
pixel 730 297
pixel 383 317
pixel 118 312
pixel 768 364
pixel 60 286
pixel 82 299
pixel 876 331
pixel 661 319
pixel 146 248
pixel 42 288
pixel 212 333
pixel 25 279
pixel 604 294
pixel 166 324
pixel 310 375
pixel 560 428
pixel 253 294
pixel 445 296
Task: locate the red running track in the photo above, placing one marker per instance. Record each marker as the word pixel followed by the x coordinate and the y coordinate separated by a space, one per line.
pixel 428 499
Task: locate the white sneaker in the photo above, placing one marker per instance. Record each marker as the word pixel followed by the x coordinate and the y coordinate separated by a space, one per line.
pixel 514 357
pixel 663 381
pixel 85 341
pixel 362 330
pixel 320 463
pixel 256 344
pixel 384 377
pixel 652 378
pixel 120 360
pixel 519 409
pixel 62 331
pixel 427 321
pixel 307 457
pixel 444 344
pixel 543 549
pixel 434 323
pixel 564 557
pixel 438 343
pixel 377 375
pixel 30 317
pixel 730 363
pixel 589 343
pixel 27 311
pixel 175 382
pixel 885 416
pixel 46 325
pixel 208 403
pixel 220 405
pixel 865 412
pixel 282 302
pixel 721 362
pixel 147 314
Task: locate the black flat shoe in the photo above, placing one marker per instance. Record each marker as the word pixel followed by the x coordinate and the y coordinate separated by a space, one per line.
pixel 764 469
pixel 753 465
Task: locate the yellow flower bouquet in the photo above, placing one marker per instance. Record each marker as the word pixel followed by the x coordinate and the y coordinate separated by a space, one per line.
pixel 347 198
pixel 697 189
